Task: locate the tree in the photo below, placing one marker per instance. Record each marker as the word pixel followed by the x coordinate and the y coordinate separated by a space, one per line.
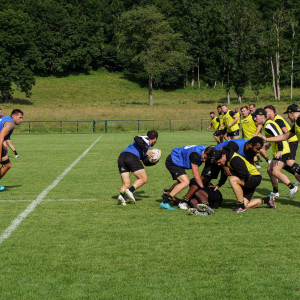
pixel 151 44
pixel 18 54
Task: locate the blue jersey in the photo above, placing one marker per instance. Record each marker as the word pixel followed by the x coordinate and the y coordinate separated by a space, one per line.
pixel 3 120
pixel 135 149
pixel 180 156
pixel 240 142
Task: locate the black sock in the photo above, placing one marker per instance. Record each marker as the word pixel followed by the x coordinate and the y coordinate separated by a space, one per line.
pixel 122 194
pixel 290 185
pixel 275 189
pixel 264 200
pixel 15 152
pixel 132 189
pixel 267 159
pixel 241 204
pixel 205 202
pixel 186 199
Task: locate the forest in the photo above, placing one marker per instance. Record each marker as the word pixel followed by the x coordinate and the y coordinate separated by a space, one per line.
pixel 168 44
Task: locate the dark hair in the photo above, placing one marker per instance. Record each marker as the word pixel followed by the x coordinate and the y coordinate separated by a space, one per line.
pixel 209 150
pixel 245 106
pixel 212 113
pixel 219 106
pixel 252 104
pixel 270 107
pixel 16 112
pixel 224 105
pixel 152 134
pixel 256 140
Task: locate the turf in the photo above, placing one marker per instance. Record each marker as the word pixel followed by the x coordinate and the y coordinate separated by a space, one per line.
pixel 94 249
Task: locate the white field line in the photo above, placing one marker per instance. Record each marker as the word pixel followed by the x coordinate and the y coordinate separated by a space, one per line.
pixel 52 200
pixel 30 208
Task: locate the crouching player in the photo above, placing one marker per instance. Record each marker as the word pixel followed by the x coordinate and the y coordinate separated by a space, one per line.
pixel 188 157
pixel 130 161
pixel 244 179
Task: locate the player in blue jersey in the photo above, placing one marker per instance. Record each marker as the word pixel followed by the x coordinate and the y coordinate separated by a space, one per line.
pixel 130 161
pixel 188 157
pixel 7 125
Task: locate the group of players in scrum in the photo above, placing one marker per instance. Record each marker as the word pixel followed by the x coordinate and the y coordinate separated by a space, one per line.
pixel 234 158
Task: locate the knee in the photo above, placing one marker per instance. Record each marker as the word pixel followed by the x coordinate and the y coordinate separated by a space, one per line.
pixel 7 166
pixel 233 179
pixel 145 179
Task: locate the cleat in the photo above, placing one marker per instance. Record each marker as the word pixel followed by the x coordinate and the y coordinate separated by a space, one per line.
pixel 191 211
pixel 121 200
pixel 238 210
pixel 258 166
pixel 293 192
pixel 183 205
pixel 297 182
pixel 165 193
pixel 273 194
pixel 166 206
pixel 269 162
pixel 271 203
pixel 17 155
pixel 194 211
pixel 2 188
pixel 205 208
pixel 130 195
pixel 164 196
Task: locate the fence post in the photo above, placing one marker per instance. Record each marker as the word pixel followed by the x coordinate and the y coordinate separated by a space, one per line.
pixel 201 125
pixel 29 127
pixel 93 126
pixel 77 126
pixel 170 125
pixel 138 126
pixel 60 126
pixel 105 126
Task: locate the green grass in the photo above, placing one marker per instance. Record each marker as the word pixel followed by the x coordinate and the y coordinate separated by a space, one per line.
pixel 95 249
pixel 102 95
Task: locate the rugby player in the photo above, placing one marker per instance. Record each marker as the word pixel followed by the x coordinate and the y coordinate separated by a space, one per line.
pixel 230 120
pixel 215 123
pixel 244 180
pixel 293 141
pixel 130 161
pixel 252 108
pixel 180 159
pixel 7 125
pixel 293 112
pixel 281 152
pixel 222 129
pixel 239 115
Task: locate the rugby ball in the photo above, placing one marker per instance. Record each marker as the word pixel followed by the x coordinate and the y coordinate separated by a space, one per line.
pixel 157 155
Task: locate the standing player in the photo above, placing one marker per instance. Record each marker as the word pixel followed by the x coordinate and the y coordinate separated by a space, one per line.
pixel 244 180
pixel 222 128
pixel 281 152
pixel 215 123
pixel 7 125
pixel 252 108
pixel 130 161
pixel 231 123
pixel 239 115
pixel 188 157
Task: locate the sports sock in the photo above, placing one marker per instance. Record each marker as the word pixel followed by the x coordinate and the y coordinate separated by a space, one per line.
pixel 186 199
pixel 205 202
pixel 241 204
pixel 290 185
pixel 122 194
pixel 132 189
pixel 16 153
pixel 264 200
pixel 275 189
pixel 267 159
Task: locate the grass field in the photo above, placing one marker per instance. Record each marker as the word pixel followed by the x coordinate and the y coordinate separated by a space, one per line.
pixel 113 96
pixel 77 243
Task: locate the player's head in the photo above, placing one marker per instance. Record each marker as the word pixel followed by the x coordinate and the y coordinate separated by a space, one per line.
pixel 212 114
pixel 271 111
pixel 219 108
pixel 245 111
pixel 153 136
pixel 255 144
pixel 293 112
pixel 218 157
pixel 260 116
pixel 252 107
pixel 206 153
pixel 17 116
pixel 224 108
pixel 236 110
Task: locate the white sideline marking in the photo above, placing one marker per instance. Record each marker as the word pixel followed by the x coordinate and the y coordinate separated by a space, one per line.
pixel 30 208
pixel 52 200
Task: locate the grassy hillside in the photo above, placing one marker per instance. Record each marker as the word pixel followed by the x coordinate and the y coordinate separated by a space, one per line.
pixel 103 95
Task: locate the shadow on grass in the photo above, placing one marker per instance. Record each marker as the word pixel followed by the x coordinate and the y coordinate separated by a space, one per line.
pixel 20 101
pixel 287 202
pixel 9 187
pixel 137 195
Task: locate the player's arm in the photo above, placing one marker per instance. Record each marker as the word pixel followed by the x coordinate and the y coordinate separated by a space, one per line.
pixel 7 128
pixel 142 143
pixel 234 116
pixel 194 159
pixel 258 127
pixel 210 126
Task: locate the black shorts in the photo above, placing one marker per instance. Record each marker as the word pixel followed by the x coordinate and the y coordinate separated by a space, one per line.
pixel 219 132
pixel 293 148
pixel 214 198
pixel 129 162
pixel 250 185
pixel 3 154
pixel 210 170
pixel 174 169
pixel 283 158
pixel 234 133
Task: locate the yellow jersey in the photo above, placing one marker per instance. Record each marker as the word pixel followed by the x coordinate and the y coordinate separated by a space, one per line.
pixel 228 118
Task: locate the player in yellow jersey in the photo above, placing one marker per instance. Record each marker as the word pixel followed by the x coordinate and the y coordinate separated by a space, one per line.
pixel 244 180
pixel 231 123
pixel 281 152
pixel 215 123
pixel 222 128
pixel 236 110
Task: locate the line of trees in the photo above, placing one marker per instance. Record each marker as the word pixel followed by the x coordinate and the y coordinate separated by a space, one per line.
pixel 170 43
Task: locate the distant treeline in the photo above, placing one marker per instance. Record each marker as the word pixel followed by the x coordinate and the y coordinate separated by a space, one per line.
pixel 240 43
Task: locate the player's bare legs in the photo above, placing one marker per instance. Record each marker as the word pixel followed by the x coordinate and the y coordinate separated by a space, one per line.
pixel 216 138
pixel 4 167
pixel 182 182
pixel 274 171
pixel 126 181
pixel 290 164
pixel 236 184
pixel 141 179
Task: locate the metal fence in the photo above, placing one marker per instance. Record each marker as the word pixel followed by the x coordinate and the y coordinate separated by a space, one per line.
pixel 111 126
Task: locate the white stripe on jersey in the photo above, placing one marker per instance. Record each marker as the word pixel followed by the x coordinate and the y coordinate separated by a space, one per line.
pixel 272 129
